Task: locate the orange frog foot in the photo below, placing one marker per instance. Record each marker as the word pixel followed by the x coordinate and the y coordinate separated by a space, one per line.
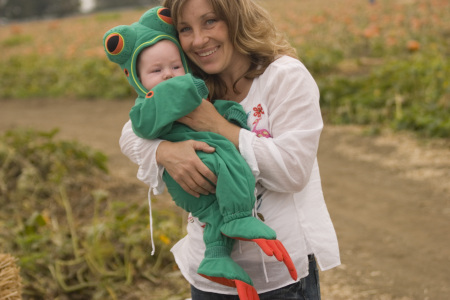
pixel 245 291
pixel 276 248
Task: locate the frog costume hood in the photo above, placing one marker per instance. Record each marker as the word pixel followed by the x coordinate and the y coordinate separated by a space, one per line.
pixel 124 43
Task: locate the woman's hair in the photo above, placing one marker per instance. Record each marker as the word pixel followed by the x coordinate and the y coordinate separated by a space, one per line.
pixel 252 32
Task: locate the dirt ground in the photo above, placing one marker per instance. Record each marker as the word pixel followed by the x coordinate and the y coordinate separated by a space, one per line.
pixel 388 196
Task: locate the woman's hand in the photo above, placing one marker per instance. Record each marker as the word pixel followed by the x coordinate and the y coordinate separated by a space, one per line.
pixel 206 118
pixel 182 163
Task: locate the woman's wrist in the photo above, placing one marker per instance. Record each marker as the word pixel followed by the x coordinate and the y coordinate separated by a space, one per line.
pixel 229 131
pixel 160 151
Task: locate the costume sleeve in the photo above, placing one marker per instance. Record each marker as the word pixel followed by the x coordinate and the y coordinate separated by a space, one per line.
pixel 233 112
pixel 283 162
pixel 164 104
pixel 143 153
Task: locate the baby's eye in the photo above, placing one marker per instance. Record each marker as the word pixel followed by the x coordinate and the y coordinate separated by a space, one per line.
pixel 176 67
pixel 156 70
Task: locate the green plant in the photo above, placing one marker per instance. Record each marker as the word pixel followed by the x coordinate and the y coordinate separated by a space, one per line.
pixel 40 77
pixel 320 60
pixel 17 40
pixel 74 233
pixel 409 94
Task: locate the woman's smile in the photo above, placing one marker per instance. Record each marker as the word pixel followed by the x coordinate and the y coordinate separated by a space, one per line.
pixel 208 52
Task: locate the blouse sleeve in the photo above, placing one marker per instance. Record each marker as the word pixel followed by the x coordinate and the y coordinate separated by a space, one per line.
pixel 143 153
pixel 283 162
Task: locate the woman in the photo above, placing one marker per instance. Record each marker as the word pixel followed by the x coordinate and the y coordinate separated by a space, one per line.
pixel 235 48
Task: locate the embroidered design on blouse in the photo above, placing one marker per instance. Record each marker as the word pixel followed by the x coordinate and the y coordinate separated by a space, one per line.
pixel 258 113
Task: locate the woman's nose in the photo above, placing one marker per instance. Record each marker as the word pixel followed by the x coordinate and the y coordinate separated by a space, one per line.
pixel 199 38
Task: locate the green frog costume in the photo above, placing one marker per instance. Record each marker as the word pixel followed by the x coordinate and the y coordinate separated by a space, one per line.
pixel 227 214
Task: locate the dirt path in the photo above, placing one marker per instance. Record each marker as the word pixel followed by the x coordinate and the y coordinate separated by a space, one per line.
pixel 389 197
pixel 393 225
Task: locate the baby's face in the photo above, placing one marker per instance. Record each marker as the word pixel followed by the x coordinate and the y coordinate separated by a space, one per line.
pixel 159 62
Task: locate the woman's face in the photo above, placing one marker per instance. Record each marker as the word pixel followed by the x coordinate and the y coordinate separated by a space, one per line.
pixel 206 41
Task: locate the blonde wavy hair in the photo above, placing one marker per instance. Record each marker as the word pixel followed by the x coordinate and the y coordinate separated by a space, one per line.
pixel 252 32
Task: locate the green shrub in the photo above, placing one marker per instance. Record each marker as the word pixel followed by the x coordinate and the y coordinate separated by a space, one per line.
pixel 43 77
pixel 71 232
pixel 17 40
pixel 320 60
pixel 407 94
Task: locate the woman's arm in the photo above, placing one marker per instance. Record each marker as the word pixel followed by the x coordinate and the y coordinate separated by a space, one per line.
pixel 142 152
pixel 179 159
pixel 284 162
pixel 186 168
pixel 206 118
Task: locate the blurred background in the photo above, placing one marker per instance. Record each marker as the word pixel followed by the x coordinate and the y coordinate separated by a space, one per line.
pixel 74 220
pixel 14 10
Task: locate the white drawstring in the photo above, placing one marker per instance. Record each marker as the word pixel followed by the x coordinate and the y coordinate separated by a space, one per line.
pixel 255 214
pixel 255 208
pixel 151 220
pixel 264 265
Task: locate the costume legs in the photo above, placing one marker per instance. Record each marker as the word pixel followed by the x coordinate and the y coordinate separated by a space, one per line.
pixel 217 264
pixel 228 216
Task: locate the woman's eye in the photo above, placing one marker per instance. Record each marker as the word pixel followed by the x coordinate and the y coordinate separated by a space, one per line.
pixel 210 21
pixel 184 29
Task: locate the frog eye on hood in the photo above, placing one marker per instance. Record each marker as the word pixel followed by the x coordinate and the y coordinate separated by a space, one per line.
pixel 114 43
pixel 159 20
pixel 164 15
pixel 119 43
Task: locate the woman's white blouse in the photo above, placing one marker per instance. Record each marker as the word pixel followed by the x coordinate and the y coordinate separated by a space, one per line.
pixel 281 149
